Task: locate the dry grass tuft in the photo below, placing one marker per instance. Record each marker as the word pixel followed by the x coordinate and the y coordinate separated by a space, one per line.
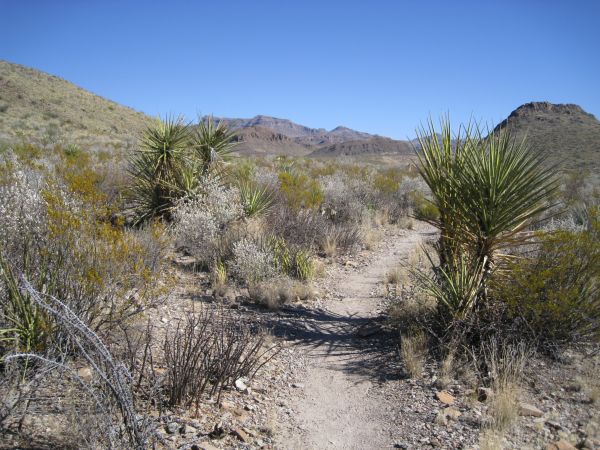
pixel 414 352
pixel 505 365
pixel 329 246
pixel 275 293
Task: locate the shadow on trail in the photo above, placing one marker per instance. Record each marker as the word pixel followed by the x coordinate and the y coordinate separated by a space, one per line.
pixel 361 346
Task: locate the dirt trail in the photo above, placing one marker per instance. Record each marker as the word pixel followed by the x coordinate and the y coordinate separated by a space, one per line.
pixel 335 408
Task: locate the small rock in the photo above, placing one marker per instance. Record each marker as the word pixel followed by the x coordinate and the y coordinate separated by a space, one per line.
pixel 85 373
pixel 402 446
pixel 452 413
pixel 553 424
pixel 241 435
pixel 240 385
pixel 172 427
pixel 445 397
pixel 484 394
pixel 188 429
pixel 561 445
pixel 587 444
pixel 525 409
pixel 298 385
pixel 203 446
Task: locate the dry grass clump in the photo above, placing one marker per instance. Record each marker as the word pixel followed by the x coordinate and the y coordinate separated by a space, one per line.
pixel 505 365
pixel 413 349
pixel 447 370
pixel 277 292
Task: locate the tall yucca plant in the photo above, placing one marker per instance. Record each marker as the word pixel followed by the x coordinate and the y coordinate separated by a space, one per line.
pixel 487 190
pixel 212 143
pixel 156 167
pixel 172 160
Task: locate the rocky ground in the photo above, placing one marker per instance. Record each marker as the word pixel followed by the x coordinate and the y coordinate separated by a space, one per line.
pixel 338 381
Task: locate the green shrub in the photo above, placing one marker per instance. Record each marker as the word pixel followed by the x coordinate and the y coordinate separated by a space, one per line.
pixel 557 291
pixel 423 209
pixel 299 190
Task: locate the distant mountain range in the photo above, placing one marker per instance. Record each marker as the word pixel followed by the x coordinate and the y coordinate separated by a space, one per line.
pixel 42 107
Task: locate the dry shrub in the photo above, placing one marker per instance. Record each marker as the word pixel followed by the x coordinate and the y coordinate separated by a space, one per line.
pixel 208 351
pixel 329 246
pixel 277 292
pixel 504 363
pixel 394 276
pixel 555 293
pixel 491 440
pixel 446 373
pixel 106 401
pixel 413 349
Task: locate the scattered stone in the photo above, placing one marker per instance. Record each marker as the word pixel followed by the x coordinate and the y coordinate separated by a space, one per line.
pixel 445 397
pixel 452 413
pixel 298 385
pixel 240 385
pixel 172 427
pixel 164 320
pixel 203 446
pixel 525 409
pixel 85 373
pixel 241 435
pixel 484 394
pixel 553 424
pixel 188 429
pixel 561 445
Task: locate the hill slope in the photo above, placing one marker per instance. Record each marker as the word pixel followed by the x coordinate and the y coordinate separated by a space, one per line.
pixel 375 146
pixel 47 108
pixel 570 135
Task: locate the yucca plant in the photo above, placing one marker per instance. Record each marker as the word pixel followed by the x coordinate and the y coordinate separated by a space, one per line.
pixel 212 143
pixel 156 168
pixel 257 200
pixel 27 327
pixel 172 160
pixel 487 190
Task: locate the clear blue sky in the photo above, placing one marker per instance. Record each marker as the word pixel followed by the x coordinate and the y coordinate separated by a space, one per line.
pixel 377 66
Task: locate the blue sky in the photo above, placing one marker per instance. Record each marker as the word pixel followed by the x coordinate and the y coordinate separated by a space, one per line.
pixel 376 66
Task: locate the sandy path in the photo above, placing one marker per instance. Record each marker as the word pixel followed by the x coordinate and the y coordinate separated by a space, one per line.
pixel 334 408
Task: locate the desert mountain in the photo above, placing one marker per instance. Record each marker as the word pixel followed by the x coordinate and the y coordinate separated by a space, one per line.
pixel 570 135
pixel 39 106
pixel 299 133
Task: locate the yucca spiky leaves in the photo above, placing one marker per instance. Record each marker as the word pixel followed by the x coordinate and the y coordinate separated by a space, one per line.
pixel 487 189
pixel 172 160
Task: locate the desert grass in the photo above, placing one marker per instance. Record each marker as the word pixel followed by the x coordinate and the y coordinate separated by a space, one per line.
pixel 505 364
pixel 414 352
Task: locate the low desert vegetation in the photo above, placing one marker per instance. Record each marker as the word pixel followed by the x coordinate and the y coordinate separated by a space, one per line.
pixel 88 250
pixel 513 273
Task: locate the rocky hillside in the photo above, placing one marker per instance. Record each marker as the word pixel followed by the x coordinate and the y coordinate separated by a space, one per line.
pixel 39 106
pixel 570 135
pixel 299 133
pixel 375 146
pixel 260 140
